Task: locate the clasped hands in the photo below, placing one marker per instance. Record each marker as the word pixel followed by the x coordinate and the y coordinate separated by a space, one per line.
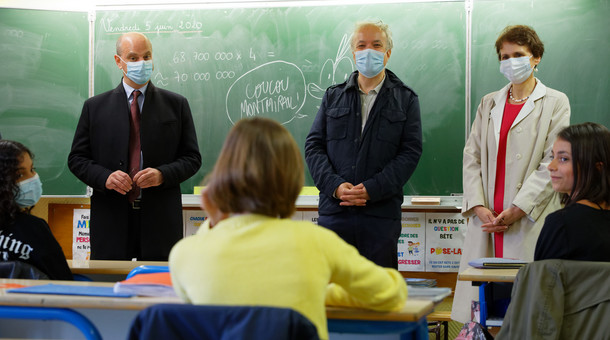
pixel 499 223
pixel 120 181
pixel 352 195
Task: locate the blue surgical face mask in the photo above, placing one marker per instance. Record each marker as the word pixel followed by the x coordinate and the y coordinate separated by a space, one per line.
pixel 29 193
pixel 369 62
pixel 139 71
pixel 516 70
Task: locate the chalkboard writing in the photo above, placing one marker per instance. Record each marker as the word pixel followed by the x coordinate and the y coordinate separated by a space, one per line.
pixel 277 63
pixel 43 83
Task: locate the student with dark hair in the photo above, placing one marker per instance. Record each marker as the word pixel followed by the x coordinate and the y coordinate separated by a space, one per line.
pixel 580 171
pixel 249 251
pixel 23 237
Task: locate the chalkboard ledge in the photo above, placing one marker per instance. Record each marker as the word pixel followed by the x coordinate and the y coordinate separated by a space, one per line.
pixel 309 201
pixel 306 201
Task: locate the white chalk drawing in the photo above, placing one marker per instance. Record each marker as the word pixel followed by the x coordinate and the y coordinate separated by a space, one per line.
pixel 160 79
pixel 278 90
pixel 333 71
pixel 274 90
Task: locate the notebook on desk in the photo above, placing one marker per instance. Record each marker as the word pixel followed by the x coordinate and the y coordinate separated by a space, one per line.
pixel 497 263
pixel 70 290
pixel 149 284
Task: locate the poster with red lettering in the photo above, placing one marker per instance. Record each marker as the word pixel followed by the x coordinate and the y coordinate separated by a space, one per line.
pixel 445 234
pixel 412 241
pixel 81 250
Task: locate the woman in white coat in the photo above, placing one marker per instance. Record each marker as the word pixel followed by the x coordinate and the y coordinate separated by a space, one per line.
pixel 507 188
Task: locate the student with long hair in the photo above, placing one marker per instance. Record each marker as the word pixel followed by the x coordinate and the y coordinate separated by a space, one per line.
pixel 24 237
pixel 249 251
pixel 580 171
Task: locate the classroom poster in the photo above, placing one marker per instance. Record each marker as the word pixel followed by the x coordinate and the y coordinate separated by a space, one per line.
pixel 192 220
pixel 412 241
pixel 445 234
pixel 81 249
pixel 297 216
pixel 310 216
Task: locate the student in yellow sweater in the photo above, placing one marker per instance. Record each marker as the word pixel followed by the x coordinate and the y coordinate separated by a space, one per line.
pixel 249 251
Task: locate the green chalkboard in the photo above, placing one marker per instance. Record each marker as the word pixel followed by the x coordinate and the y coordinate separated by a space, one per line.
pixel 215 57
pixel 277 62
pixel 576 39
pixel 43 83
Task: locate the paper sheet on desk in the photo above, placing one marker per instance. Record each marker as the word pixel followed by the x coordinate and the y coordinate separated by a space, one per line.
pixel 70 290
pixel 149 284
pixel 497 263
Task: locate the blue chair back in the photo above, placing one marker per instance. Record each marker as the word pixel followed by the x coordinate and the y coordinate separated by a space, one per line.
pixel 206 322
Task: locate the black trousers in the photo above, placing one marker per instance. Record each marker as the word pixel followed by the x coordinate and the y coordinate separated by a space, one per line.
pixel 133 235
pixel 375 238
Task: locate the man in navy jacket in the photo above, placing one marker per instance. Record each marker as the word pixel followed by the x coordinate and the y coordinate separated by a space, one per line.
pixel 147 227
pixel 362 148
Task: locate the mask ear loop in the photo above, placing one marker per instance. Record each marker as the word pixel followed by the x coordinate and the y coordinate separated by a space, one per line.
pixel 124 62
pixel 535 66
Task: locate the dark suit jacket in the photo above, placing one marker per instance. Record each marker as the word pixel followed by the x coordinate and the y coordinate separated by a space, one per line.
pixel 382 157
pixel 100 147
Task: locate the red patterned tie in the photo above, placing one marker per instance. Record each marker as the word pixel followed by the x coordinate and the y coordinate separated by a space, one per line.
pixel 134 145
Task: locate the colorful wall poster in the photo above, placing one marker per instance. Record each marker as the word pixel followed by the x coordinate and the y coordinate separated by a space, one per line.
pixel 81 248
pixel 192 220
pixel 297 216
pixel 412 241
pixel 311 216
pixel 445 234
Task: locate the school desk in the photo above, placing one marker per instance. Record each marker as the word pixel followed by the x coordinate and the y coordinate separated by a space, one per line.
pixel 481 278
pixel 113 316
pixel 106 267
pixel 488 275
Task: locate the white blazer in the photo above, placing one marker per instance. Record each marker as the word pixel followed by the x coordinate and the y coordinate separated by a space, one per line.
pixel 527 184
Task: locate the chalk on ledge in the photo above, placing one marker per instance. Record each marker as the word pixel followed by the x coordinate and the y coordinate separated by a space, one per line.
pixel 425 200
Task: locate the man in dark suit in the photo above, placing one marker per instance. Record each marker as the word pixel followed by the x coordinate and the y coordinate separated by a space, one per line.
pixel 136 208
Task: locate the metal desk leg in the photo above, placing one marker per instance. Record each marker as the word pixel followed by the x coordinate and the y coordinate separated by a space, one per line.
pixel 483 305
pixel 420 333
pixel 407 330
pixel 62 314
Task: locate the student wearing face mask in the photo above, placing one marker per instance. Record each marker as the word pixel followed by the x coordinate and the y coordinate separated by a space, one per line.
pixel 507 188
pixel 363 146
pixel 23 237
pixel 134 145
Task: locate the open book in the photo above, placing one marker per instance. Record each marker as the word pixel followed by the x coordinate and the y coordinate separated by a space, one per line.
pixel 497 262
pixel 152 284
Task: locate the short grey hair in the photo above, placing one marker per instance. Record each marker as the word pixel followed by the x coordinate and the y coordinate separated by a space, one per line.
pixel 380 25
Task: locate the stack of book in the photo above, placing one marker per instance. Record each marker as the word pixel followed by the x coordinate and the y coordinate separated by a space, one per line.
pixel 497 263
pixel 419 282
